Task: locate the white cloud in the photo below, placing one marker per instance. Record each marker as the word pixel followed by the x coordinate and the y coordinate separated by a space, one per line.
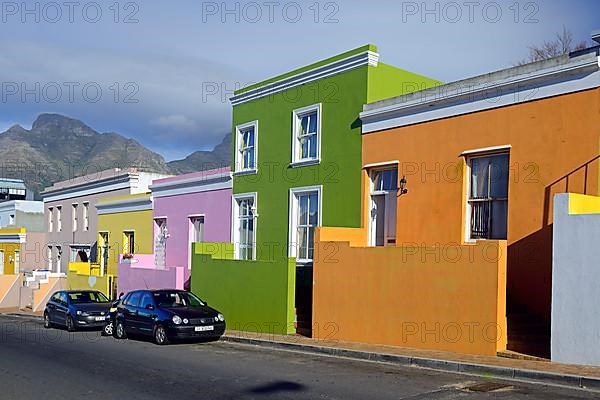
pixel 174 122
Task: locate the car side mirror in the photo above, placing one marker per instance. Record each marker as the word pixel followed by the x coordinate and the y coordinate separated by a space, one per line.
pixel 149 307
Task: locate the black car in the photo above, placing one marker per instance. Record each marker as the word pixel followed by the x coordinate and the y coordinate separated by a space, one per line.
pixel 76 309
pixel 166 315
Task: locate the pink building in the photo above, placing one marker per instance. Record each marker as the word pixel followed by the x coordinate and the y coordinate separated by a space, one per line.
pixel 188 208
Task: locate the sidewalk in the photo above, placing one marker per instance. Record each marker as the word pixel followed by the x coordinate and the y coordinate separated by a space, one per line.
pixel 16 311
pixel 487 366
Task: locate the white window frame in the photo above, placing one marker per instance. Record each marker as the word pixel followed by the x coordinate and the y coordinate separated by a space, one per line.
pixel 75 251
pixel 50 254
pixel 192 233
pixel 17 263
pixel 293 218
pixel 58 218
pixel 50 219
pixel 86 216
pixel 235 226
pixel 191 219
pixel 74 219
pixel 470 155
pixel 296 123
pixel 373 192
pixel 238 142
pixel 59 259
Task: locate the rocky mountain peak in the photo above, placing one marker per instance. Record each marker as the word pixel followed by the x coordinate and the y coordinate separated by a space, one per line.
pixel 61 125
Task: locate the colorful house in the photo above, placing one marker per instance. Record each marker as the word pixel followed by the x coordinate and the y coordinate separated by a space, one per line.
pixel 11 242
pixel 124 231
pixel 28 215
pixel 296 166
pixel 70 213
pixel 188 208
pixel 451 175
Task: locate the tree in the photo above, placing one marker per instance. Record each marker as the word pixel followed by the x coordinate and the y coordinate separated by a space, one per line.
pixel 563 43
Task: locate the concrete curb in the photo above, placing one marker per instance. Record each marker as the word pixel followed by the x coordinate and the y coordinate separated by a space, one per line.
pixel 487 371
pixel 22 315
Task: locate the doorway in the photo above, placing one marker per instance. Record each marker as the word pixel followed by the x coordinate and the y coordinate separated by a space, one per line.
pixel 103 247
pixel 1 262
pixel 383 198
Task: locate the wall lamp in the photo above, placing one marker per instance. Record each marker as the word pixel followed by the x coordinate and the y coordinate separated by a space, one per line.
pixel 403 189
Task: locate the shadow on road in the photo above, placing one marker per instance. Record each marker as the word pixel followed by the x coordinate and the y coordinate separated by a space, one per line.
pixel 275 387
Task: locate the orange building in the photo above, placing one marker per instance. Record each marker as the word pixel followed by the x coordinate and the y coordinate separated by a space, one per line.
pixel 455 167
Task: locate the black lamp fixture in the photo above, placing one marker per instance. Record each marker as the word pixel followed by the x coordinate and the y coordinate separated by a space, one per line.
pixel 403 189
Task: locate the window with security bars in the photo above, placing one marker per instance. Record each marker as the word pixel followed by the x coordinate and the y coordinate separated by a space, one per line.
pixel 488 196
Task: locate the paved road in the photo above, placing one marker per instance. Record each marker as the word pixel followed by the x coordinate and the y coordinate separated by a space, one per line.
pixel 52 364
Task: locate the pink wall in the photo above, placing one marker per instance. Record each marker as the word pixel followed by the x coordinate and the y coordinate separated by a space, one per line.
pixel 142 274
pixel 214 205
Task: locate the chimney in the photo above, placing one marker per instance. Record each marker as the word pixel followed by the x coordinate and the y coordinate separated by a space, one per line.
pixel 596 36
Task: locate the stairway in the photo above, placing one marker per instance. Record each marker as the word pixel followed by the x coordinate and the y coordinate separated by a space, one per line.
pixel 528 335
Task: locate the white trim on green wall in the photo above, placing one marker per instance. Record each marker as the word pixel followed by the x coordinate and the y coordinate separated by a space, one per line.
pixel 366 58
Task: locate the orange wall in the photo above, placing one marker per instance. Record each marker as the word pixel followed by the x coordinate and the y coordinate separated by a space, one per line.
pixel 550 139
pixel 445 298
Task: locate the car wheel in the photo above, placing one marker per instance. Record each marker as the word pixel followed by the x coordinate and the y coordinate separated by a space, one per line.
pixel 47 323
pixel 108 329
pixel 70 324
pixel 119 331
pixel 160 336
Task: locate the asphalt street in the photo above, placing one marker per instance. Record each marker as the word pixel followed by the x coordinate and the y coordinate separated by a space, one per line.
pixel 53 364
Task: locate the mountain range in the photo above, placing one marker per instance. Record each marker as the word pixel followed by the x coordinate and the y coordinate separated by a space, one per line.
pixel 58 147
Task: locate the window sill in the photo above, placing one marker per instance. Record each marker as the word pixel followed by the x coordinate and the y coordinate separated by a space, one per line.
pixel 246 172
pixel 304 163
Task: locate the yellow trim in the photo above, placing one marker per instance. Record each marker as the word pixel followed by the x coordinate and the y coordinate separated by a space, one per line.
pixel 125 198
pixel 582 204
pixel 12 231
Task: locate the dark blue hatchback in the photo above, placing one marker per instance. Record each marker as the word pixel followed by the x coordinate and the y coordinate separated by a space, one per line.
pixel 75 309
pixel 166 315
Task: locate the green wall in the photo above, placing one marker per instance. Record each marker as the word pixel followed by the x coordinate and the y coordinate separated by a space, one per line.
pixel 386 81
pixel 253 297
pixel 342 97
pixel 255 294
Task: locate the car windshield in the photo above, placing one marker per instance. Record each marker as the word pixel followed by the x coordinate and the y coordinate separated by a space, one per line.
pixel 172 299
pixel 87 297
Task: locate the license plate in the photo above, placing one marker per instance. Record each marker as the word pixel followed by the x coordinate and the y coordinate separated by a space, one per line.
pixel 100 318
pixel 205 328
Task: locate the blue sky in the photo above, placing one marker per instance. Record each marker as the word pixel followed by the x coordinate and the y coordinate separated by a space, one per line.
pixel 160 71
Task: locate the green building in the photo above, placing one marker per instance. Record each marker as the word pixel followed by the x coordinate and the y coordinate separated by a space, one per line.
pixel 297 165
